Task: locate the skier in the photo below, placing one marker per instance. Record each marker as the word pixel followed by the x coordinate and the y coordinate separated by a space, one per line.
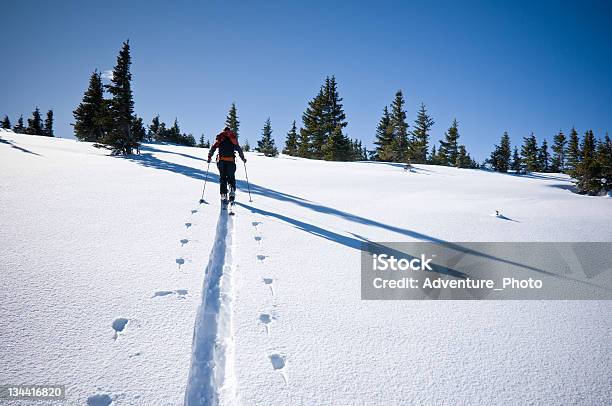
pixel 227 142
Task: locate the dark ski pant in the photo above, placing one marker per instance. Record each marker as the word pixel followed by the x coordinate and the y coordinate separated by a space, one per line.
pixel 227 174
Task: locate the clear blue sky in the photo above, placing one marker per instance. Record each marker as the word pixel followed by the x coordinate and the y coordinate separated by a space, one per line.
pixel 519 66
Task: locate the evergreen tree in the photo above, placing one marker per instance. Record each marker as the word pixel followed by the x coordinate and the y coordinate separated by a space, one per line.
pixel 139 134
pixel 48 129
pixel 384 138
pixel 311 133
pixel 174 132
pixel 231 120
pixel 188 140
pixel 153 132
pixel 202 142
pixel 464 160
pixel 500 157
pixel 291 142
pixel 419 144
pixel 333 112
pixel 266 144
pixel 19 127
pixel 6 123
pixel 121 106
pixel 246 147
pixel 557 163
pixel 604 157
pixel 589 171
pixel 92 113
pixel 449 147
pixel 529 154
pixel 516 161
pixel 338 147
pixel 433 156
pixel 543 158
pixel 399 128
pixel 573 152
pixel 324 116
pixel 35 124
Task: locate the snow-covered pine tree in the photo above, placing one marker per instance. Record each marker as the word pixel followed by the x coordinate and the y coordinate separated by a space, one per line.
pixel 516 161
pixel 384 138
pixel 291 142
pixel 35 124
pixel 119 138
pixel 19 128
pixel 588 172
pixel 6 123
pixel 573 153
pixel 557 162
pixel 231 120
pixel 543 157
pixel 400 128
pixel 48 129
pixel 529 154
pixel 266 144
pixel 500 157
pixel 92 112
pixel 449 147
pixel 419 144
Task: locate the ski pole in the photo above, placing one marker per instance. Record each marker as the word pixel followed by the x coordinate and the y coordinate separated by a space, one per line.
pixel 247 178
pixel 205 180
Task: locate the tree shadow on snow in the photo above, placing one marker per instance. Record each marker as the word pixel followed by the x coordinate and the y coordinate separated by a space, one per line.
pixel 3 141
pixel 149 148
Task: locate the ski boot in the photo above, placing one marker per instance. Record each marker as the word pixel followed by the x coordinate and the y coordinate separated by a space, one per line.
pixel 232 194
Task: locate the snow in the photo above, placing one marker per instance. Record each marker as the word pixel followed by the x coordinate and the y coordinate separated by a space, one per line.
pixel 113 274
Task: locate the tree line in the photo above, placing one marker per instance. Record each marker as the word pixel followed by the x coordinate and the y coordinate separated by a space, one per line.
pixel 111 123
pixel 36 126
pixel 588 161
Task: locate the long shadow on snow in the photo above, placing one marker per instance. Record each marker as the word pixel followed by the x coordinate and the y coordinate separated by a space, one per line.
pixel 149 160
pixel 18 147
pixel 358 243
pixel 149 148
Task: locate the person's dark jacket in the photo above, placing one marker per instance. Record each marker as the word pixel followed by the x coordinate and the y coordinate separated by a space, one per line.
pixel 227 143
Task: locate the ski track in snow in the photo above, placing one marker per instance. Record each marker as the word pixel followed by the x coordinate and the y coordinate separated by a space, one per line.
pixel 212 378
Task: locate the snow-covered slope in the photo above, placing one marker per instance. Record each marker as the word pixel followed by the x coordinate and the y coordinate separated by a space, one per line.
pixel 89 241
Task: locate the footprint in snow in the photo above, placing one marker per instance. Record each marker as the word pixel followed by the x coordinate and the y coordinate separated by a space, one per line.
pixel 99 399
pixel 180 292
pixel 256 223
pixel 258 238
pixel 194 211
pixel 179 261
pixel 266 319
pixel 268 281
pixel 184 241
pixel 119 325
pixel 278 363
pixel 261 257
pixel 187 225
